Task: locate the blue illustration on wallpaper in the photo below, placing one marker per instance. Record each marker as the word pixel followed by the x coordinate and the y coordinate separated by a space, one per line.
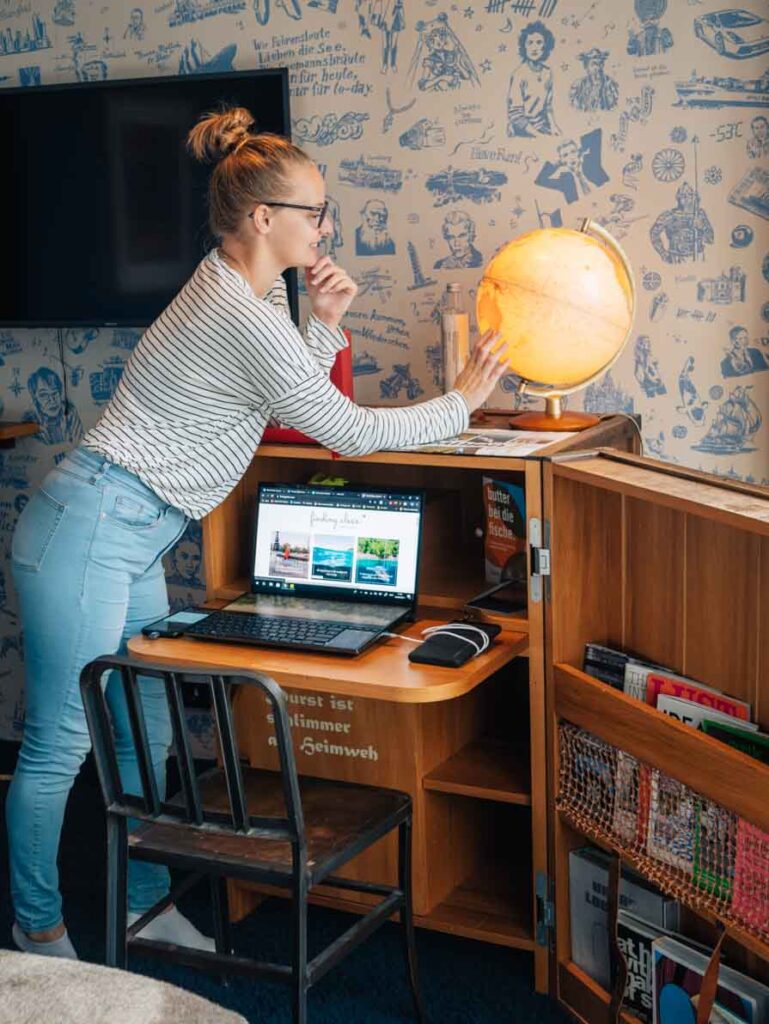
pixel 289 7
pixel 58 422
pixel 186 11
pixel 388 17
pixel 605 395
pixel 757 145
pixel 735 423
pixel 364 364
pixel 651 281
pixel 363 174
pixel 752 192
pixel 548 218
pixel 392 110
pixel 692 406
pixel 631 170
pixel 400 378
pixel 646 368
pixel 734 33
pixel 64 12
pixel 94 70
pixel 530 92
pixel 765 312
pixel 434 362
pixel 14 40
pixel 14 475
pixel 741 357
pixel 135 28
pixel 9 346
pixel 330 128
pixel 577 169
pixel 724 289
pixel 720 91
pixel 454 186
pixel 425 134
pixel 765 267
pixel 196 60
pixel 678 134
pixel 324 5
pixel 30 76
pixel 547 8
pixel 440 59
pixel 595 90
pixel 458 230
pixel 713 175
pixel 104 381
pixel 184 560
pixel 16 386
pixel 78 340
pixel 335 240
pixel 376 282
pixel 617 220
pixel 742 236
pixel 679 432
pixel 418 278
pixel 651 38
pixel 524 7
pixel 126 338
pixel 658 307
pixel 372 235
pixel 682 233
pixel 668 165
pixel 638 110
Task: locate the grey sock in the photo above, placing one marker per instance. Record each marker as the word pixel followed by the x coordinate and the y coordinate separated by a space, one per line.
pixel 173 927
pixel 58 947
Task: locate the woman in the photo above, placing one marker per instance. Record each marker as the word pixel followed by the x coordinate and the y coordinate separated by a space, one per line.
pixel 175 439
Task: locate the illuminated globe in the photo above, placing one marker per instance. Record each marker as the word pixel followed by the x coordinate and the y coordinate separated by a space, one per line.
pixel 562 301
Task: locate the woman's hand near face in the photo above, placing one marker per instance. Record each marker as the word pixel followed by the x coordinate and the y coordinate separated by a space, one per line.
pixel 330 290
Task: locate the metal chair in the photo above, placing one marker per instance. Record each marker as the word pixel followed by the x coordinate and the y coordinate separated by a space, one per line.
pixel 233 821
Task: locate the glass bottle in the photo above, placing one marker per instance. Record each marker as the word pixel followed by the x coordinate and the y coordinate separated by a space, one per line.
pixel 455 334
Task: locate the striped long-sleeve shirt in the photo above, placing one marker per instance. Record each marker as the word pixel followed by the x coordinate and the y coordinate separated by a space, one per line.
pixel 210 372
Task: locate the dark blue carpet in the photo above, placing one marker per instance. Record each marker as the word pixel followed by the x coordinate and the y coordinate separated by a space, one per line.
pixel 463 982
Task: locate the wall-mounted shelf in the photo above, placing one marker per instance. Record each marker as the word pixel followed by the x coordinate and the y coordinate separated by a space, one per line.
pixel 10 432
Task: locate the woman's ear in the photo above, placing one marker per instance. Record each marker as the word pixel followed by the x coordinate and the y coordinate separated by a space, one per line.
pixel 261 218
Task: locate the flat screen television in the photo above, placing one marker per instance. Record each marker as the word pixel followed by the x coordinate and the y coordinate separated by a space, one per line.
pixel 104 211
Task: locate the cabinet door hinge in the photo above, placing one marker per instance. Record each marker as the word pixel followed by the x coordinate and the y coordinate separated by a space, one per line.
pixel 545 910
pixel 539 556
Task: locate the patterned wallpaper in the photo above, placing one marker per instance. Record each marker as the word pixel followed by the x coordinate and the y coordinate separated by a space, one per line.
pixel 445 129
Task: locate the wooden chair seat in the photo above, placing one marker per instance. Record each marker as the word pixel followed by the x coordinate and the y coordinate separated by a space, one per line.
pixel 339 819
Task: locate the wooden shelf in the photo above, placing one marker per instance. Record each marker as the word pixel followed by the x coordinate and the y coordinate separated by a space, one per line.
pixel 11 431
pixel 487 769
pixel 651 868
pixel 585 997
pixel 495 906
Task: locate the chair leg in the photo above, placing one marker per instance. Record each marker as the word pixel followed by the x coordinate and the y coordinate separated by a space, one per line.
pixel 117 886
pixel 299 959
pixel 221 912
pixel 407 915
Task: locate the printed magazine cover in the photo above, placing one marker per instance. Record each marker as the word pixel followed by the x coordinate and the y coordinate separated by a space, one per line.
pixel 504 533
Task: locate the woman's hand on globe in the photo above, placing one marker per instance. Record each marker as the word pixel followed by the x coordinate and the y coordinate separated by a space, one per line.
pixel 483 370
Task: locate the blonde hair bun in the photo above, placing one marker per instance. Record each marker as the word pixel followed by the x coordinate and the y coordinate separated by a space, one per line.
pixel 218 133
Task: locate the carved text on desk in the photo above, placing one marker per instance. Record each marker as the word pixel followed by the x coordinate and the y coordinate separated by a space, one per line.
pixel 338 721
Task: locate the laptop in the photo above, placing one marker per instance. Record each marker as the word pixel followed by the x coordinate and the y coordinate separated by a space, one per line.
pixel 331 569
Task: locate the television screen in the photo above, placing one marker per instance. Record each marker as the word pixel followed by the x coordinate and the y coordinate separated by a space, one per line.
pixel 105 212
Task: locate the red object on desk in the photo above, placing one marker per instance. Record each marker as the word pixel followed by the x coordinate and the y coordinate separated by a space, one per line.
pixel 340 376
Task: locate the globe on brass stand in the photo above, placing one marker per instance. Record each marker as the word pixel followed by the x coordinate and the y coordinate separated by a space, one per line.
pixel 563 302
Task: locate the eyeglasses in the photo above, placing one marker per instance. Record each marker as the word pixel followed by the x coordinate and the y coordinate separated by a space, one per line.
pixel 321 211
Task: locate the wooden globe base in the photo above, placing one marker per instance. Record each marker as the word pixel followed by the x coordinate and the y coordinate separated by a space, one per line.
pixel 543 421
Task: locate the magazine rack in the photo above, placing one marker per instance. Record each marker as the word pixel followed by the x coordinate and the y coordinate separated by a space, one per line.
pixel 475 765
pixel 671 565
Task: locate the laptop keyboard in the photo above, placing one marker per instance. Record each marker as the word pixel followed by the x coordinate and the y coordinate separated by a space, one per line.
pixel 265 629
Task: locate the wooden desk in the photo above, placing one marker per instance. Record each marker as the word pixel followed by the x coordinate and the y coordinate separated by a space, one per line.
pixel 381 720
pixel 472 756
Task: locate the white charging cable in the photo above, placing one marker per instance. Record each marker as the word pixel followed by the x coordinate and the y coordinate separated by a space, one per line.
pixel 447 630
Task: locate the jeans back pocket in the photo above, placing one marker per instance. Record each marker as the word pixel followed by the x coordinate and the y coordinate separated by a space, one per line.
pixel 35 530
pixel 132 511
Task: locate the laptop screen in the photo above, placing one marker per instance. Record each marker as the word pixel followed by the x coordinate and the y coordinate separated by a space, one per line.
pixel 333 542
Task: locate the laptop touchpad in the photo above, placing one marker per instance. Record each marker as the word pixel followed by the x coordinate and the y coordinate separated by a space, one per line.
pixel 350 639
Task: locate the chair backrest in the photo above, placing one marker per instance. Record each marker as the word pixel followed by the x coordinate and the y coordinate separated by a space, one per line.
pixel 149 806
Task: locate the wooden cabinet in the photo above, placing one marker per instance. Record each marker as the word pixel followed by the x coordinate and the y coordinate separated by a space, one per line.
pixel 673 565
pixel 472 756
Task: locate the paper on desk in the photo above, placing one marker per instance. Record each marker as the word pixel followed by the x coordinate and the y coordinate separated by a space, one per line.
pixel 476 441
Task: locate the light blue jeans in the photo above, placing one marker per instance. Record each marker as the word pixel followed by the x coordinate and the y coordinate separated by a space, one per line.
pixel 87 564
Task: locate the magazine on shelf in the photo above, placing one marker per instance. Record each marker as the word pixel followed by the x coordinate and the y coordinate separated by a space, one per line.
pixel 693 714
pixel 754 744
pixel 502 443
pixel 750 895
pixel 589 901
pixel 670 837
pixel 677 975
pixel 658 684
pixel 637 673
pixel 635 938
pixel 610 665
pixel 714 848
pixel 631 799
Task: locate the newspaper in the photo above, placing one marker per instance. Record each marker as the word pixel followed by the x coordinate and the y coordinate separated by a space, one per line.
pixel 476 441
